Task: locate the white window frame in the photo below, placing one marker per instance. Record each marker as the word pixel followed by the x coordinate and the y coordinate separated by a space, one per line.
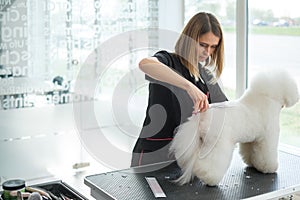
pixel 241 46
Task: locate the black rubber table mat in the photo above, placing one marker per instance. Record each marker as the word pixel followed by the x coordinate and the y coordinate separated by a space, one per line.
pixel 239 182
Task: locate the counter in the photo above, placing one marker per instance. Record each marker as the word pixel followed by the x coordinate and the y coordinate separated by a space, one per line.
pixel 240 181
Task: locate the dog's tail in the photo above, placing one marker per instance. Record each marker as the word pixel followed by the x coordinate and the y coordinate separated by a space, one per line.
pixel 185 147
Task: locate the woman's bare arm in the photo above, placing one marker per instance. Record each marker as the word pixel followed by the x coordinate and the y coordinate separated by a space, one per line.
pixel 159 71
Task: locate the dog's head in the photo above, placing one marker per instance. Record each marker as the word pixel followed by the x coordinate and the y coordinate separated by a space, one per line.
pixel 277 84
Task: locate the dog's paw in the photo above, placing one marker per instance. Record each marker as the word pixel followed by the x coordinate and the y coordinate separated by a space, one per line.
pixel 267 169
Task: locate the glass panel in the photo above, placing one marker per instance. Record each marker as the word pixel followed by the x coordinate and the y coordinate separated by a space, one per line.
pixel 43 46
pixel 225 12
pixel 274 41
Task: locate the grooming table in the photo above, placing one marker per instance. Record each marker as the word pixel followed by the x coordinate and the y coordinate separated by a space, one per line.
pixel 240 182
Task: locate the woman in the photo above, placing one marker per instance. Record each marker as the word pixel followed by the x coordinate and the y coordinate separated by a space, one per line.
pixel 180 85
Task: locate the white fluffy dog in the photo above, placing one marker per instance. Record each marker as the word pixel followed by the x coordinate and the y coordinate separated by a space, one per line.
pixel 203 146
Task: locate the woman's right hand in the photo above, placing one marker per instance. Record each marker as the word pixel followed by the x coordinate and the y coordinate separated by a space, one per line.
pixel 200 99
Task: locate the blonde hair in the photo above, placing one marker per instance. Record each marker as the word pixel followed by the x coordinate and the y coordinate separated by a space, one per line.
pixel 198 25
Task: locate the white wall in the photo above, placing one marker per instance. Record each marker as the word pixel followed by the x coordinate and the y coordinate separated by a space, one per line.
pixel 171 14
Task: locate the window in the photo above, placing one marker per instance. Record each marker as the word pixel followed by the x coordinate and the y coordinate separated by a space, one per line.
pixel 44 40
pixel 274 41
pixel 43 46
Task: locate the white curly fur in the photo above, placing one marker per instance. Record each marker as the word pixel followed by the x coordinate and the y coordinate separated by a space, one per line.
pixel 203 146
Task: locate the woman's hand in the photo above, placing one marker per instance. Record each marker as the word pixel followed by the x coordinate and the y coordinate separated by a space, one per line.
pixel 200 100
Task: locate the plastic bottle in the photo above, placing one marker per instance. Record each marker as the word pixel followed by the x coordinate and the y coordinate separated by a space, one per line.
pixel 12 185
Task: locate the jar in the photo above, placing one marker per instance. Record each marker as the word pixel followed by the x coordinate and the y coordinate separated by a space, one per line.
pixel 12 185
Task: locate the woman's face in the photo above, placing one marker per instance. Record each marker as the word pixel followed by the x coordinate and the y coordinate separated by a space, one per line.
pixel 208 43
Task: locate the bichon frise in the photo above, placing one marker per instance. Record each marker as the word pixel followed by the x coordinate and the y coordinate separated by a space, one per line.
pixel 203 146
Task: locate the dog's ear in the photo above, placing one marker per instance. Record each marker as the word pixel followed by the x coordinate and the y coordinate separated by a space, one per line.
pixel 278 84
pixel 292 94
pixel 290 101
